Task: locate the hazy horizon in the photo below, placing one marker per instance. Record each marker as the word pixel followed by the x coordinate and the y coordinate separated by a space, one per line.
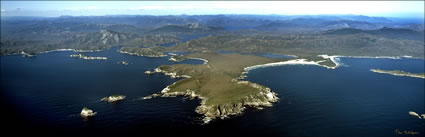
pixel 395 9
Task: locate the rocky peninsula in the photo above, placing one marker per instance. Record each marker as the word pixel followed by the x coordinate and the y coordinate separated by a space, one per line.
pixel 200 81
pixel 227 70
pixel 399 73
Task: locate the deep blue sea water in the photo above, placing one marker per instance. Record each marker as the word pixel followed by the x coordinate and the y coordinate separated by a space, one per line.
pixel 347 101
pixel 48 91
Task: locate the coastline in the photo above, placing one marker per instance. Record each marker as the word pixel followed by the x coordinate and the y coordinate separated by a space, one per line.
pixel 333 58
pixel 178 60
pixel 85 57
pixel 135 54
pixel 223 111
pixel 205 61
pixel 48 51
pixel 214 111
pixel 257 96
pixel 399 73
pixel 74 50
pixel 298 62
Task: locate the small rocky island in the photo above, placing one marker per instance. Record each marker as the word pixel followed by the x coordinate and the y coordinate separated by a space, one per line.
pixel 113 98
pixel 81 56
pixel 124 63
pixel 86 112
pixel 399 73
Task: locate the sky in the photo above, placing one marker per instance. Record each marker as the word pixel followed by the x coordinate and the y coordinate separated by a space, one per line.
pixel 409 9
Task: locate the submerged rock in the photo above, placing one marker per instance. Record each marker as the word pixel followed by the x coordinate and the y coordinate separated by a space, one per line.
pixel 113 98
pixel 86 112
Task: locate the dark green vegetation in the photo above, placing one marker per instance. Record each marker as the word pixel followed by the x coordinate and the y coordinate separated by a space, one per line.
pixel 307 46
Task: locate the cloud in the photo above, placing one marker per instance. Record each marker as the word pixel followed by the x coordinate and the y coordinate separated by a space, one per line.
pixel 2 10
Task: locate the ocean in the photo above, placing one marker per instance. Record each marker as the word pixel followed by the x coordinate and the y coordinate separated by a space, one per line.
pixel 46 94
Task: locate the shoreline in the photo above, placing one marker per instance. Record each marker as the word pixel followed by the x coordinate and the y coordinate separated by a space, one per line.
pixel 265 97
pixel 176 60
pixel 135 54
pixel 205 61
pixel 222 111
pixel 74 50
pixel 325 56
pixel 403 73
pixel 298 62
pixel 85 57
pixel 333 58
pixel 380 57
pixel 48 51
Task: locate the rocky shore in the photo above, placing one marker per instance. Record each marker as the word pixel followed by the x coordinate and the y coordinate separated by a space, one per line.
pixel 86 112
pixel 113 98
pixel 399 73
pixel 81 56
pixel 171 74
pixel 147 52
pixel 263 98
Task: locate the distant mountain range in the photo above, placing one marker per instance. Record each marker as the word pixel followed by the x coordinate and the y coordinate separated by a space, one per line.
pixel 392 33
pixel 37 34
pixel 191 27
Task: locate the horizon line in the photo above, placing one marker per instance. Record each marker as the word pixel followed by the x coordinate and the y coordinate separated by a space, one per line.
pixel 422 17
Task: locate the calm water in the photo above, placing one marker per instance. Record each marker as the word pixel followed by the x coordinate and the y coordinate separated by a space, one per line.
pixel 348 101
pixel 47 92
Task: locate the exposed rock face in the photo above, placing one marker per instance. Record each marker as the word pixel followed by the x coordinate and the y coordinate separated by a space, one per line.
pixel 110 37
pixel 86 112
pixel 194 25
pixel 263 99
pixel 113 98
